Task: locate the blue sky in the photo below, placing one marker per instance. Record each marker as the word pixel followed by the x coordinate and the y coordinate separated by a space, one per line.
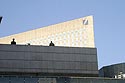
pixel 109 24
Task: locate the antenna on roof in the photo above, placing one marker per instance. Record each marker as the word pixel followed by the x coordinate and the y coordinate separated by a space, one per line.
pixel 0 19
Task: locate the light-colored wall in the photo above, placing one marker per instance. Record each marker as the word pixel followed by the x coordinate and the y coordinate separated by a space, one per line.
pixel 72 33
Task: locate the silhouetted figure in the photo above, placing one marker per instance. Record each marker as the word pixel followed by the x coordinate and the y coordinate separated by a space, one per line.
pixel 51 44
pixel 28 43
pixel 13 42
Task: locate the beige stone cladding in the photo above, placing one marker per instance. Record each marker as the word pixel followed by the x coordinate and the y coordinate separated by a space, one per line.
pixel 74 33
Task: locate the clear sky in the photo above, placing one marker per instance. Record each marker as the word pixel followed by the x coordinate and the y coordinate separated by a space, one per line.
pixel 109 21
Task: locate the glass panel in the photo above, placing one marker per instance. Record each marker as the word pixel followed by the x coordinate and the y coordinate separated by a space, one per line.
pixel 31 80
pixel 4 79
pixel 17 80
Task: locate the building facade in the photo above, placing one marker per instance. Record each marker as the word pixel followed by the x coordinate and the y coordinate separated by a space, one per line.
pixel 48 60
pixel 113 71
pixel 50 64
pixel 74 33
pixel 29 79
pixel 73 59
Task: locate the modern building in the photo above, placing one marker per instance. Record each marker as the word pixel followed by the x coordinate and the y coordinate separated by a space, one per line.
pixel 74 33
pixel 113 71
pixel 48 60
pixel 30 79
pixel 71 57
pixel 49 64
